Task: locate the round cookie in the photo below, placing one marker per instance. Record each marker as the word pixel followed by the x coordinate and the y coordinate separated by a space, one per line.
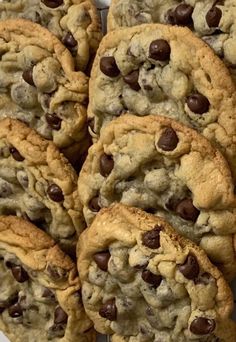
pixel 151 69
pixel 75 22
pixel 168 169
pixel 40 297
pixel 142 281
pixel 39 85
pixel 38 183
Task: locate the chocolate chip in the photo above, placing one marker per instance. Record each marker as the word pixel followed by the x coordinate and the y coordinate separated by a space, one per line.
pixel 16 154
pixel 55 193
pixel 54 121
pixel 183 15
pixel 19 274
pixel 132 80
pixel 102 259
pixel 190 269
pixel 94 204
pixel 109 67
pixel 52 3
pixel 109 310
pixel 69 41
pixel 106 164
pixel 198 103
pixel 47 293
pixel 151 239
pixel 151 278
pixel 202 326
pixel 60 316
pixel 170 17
pixel 159 50
pixel 15 310
pixel 168 140
pixel 213 17
pixel 28 76
pixel 186 210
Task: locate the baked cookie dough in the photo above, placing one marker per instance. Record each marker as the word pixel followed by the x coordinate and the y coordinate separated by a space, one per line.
pixel 40 297
pixel 164 70
pixel 143 282
pixel 75 22
pixel 168 169
pixel 38 184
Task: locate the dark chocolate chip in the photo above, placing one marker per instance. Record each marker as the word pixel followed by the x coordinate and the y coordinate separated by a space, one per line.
pixel 60 316
pixel 213 17
pixel 106 164
pixel 54 121
pixel 16 154
pixel 202 326
pixel 94 204
pixel 55 193
pixel 109 310
pixel 198 103
pixel 28 76
pixel 47 293
pixel 69 41
pixel 190 269
pixel 170 17
pixel 151 239
pixel 168 140
pixel 15 310
pixel 183 15
pixel 132 80
pixel 102 259
pixel 109 67
pixel 186 210
pixel 159 50
pixel 19 274
pixel 52 3
pixel 151 278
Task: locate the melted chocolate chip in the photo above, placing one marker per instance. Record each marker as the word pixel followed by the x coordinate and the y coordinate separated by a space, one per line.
pixel 55 193
pixel 151 278
pixel 69 41
pixel 168 140
pixel 94 204
pixel 15 310
pixel 109 67
pixel 54 121
pixel 186 210
pixel 151 239
pixel 183 15
pixel 52 3
pixel 19 273
pixel 109 310
pixel 16 154
pixel 28 76
pixel 102 259
pixel 213 17
pixel 159 50
pixel 198 103
pixel 190 269
pixel 106 164
pixel 60 316
pixel 132 80
pixel 202 326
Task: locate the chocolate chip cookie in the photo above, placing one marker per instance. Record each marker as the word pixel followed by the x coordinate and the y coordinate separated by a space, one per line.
pixel 39 85
pixel 37 183
pixel 151 69
pixel 212 20
pixel 75 22
pixel 167 169
pixel 40 297
pixel 143 282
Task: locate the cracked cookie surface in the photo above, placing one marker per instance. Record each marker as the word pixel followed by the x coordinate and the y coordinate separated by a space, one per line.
pixel 38 183
pixel 75 22
pixel 143 282
pixel 40 297
pixel 168 169
pixel 151 69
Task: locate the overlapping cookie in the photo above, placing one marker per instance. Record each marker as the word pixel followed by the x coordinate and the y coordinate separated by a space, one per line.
pixel 75 22
pixel 40 298
pixel 164 70
pixel 143 282
pixel 39 85
pixel 167 169
pixel 38 183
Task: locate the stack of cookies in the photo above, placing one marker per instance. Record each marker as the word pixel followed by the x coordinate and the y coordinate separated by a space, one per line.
pixel 134 237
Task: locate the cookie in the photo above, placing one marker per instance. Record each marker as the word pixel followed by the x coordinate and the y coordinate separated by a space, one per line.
pixel 39 85
pixel 165 168
pixel 40 297
pixel 38 184
pixel 75 23
pixel 213 21
pixel 151 69
pixel 143 282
